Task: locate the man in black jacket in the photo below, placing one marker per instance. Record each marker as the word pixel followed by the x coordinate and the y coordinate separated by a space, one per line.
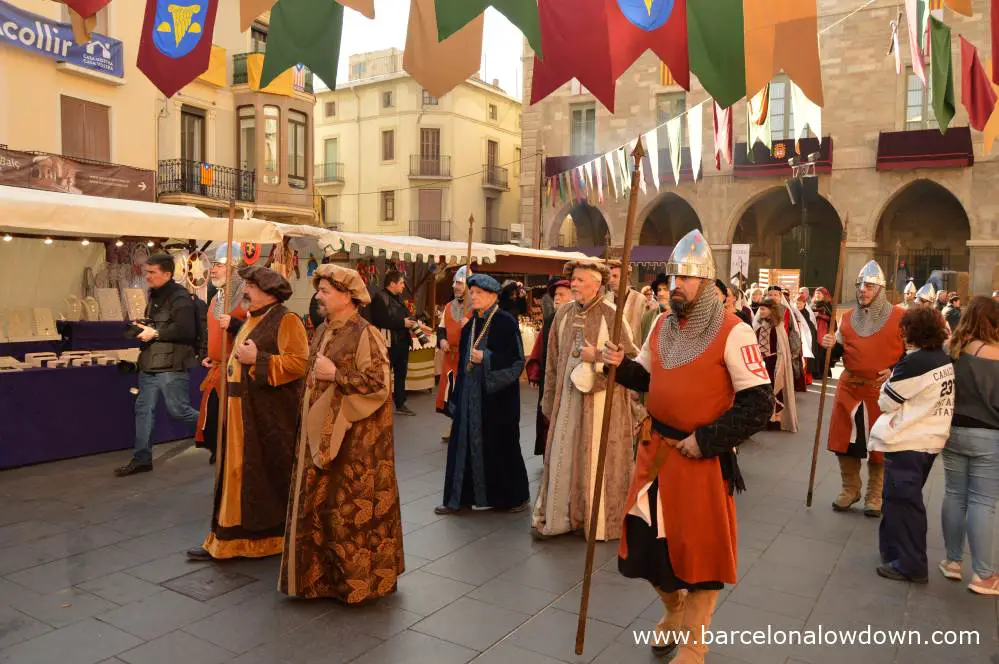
pixel 169 337
pixel 389 314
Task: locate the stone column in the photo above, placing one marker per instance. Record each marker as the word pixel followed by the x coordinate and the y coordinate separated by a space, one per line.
pixel 857 255
pixel 984 267
pixel 723 261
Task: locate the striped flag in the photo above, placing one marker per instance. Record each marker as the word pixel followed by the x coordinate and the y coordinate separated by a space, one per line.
pixel 665 75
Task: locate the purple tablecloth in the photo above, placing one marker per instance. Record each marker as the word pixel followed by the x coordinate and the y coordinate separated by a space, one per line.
pixel 95 335
pixel 50 414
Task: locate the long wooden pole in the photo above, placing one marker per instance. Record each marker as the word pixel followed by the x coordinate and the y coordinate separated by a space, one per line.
pixel 226 310
pixel 468 254
pixel 825 367
pixel 622 293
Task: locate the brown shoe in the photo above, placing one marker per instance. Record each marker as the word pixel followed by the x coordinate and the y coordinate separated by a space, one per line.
pixel 443 510
pixel 199 554
pixel 133 467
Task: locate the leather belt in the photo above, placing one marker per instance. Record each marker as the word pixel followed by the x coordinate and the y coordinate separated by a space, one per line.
pixel 853 379
pixel 666 431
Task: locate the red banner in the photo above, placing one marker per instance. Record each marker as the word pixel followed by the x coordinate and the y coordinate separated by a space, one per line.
pixel 53 172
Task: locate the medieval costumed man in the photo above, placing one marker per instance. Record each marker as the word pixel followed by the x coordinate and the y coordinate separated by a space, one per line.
pixel 708 391
pixel 775 348
pixel 869 340
pixel 635 304
pixel 926 296
pixel 485 467
pixel 561 293
pixel 344 535
pixel 206 434
pixel 909 295
pixel 573 403
pixel 264 375
pixel 456 314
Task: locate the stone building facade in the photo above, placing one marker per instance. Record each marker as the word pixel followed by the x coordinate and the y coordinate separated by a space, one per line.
pixel 885 171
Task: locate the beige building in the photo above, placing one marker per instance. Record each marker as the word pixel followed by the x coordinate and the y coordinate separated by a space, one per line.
pixel 220 137
pixel 393 159
pixel 884 170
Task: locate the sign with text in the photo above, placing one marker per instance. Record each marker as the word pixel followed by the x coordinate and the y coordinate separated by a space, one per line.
pixel 53 172
pixel 51 39
pixel 740 261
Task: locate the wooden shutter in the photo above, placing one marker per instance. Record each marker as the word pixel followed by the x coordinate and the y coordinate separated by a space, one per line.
pixel 72 117
pixel 98 132
pixel 86 129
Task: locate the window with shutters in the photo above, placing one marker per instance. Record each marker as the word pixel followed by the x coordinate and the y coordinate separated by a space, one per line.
pixel 192 133
pixel 584 129
pixel 330 109
pixel 272 145
pixel 429 99
pixel 387 99
pixel 247 138
pixel 493 112
pixel 297 132
pixel 86 129
pixel 388 206
pixel 918 103
pixel 258 38
pixel 388 145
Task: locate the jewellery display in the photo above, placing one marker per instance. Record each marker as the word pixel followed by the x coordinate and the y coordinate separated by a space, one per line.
pixel 91 310
pixel 74 308
pixel 135 303
pixel 19 324
pixel 109 300
pixel 44 323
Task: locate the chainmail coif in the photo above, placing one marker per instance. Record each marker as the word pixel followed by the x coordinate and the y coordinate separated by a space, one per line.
pixel 234 299
pixel 679 346
pixel 868 321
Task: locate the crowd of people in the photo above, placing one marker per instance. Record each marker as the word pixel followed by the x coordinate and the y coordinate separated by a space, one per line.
pixel 305 458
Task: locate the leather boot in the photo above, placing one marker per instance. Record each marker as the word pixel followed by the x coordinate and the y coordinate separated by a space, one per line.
pixel 697 610
pixel 849 470
pixel 875 486
pixel 671 623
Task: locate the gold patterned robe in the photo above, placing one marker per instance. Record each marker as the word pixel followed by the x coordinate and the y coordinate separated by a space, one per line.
pixel 344 533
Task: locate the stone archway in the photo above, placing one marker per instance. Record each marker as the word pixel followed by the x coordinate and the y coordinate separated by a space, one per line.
pixel 929 227
pixel 579 225
pixel 782 234
pixel 664 221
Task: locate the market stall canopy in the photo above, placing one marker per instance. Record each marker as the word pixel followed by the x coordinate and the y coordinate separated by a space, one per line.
pixel 406 247
pixel 511 259
pixel 37 212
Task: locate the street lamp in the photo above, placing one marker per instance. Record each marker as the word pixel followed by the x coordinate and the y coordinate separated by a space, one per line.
pixel 803 187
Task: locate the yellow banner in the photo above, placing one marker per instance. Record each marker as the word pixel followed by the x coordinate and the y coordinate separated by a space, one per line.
pixel 215 74
pixel 282 85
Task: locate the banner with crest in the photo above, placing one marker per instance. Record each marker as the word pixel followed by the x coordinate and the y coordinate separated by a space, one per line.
pixel 176 43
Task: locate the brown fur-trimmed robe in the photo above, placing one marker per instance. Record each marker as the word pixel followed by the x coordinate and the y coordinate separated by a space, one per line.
pixel 573 403
pixel 344 536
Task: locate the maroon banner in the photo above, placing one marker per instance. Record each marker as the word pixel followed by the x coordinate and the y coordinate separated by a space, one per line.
pixel 85 8
pixel 176 43
pixel 52 172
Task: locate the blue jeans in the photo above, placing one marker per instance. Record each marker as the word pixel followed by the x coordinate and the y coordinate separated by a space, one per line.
pixel 174 387
pixel 971 470
pixel 902 534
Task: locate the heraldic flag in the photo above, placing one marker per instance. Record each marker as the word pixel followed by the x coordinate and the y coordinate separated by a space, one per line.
pixel 176 43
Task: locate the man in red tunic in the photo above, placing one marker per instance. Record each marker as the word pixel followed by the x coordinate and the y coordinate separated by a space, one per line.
pixel 456 314
pixel 708 390
pixel 206 435
pixel 870 342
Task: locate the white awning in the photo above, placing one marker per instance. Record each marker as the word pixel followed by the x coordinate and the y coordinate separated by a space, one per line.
pixel 514 250
pixel 405 247
pixel 37 212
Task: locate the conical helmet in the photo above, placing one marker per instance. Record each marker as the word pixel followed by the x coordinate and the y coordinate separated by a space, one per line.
pixel 871 274
pixel 927 293
pixel 692 257
pixel 229 253
pixel 910 288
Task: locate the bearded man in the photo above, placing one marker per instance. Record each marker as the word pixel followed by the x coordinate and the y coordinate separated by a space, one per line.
pixel 207 435
pixel 909 295
pixel 456 314
pixel 573 404
pixel 635 304
pixel 708 390
pixel 869 340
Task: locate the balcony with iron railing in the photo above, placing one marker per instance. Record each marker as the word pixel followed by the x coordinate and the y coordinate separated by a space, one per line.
pixel 301 78
pixel 495 235
pixel 430 166
pixel 183 176
pixel 495 177
pixel 330 172
pixel 432 229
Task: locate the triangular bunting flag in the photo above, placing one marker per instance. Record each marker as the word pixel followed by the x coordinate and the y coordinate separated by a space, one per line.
pixel 724 138
pixel 695 136
pixel 807 115
pixel 943 74
pixel 915 51
pixel 249 10
pixel 439 66
pixel 758 122
pixel 674 129
pixel 652 147
pixel 977 94
pixel 591 183
pixel 306 32
pixel 453 15
pixel 85 8
pixel 176 43
pixel 599 166
pixel 783 35
pixel 717 48
pixel 611 170
pixel 635 26
pixel 622 169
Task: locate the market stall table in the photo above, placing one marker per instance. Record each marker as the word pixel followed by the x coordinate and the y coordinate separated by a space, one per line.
pixel 51 414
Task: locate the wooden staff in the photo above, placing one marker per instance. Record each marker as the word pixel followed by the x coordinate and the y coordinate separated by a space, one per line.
pixel 825 368
pixel 622 292
pixel 226 294
pixel 468 254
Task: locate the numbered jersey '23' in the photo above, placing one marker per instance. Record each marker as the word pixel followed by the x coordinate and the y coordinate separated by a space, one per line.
pixel 917 401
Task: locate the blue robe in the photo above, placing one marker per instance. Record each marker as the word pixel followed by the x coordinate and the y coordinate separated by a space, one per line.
pixel 485 465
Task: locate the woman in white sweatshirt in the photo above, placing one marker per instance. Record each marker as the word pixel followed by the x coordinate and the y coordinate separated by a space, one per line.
pixel 917 403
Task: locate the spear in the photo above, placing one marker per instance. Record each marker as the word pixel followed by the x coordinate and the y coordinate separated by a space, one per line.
pixel 825 367
pixel 468 254
pixel 622 291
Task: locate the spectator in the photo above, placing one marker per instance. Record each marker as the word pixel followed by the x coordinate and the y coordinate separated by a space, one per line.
pixel 390 315
pixel 971 457
pixel 169 336
pixel 952 312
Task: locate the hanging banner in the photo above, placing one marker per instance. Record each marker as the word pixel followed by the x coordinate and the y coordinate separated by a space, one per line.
pixel 52 172
pixel 740 261
pixel 51 39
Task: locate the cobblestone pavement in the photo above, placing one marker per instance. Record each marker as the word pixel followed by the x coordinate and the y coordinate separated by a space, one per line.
pixel 92 570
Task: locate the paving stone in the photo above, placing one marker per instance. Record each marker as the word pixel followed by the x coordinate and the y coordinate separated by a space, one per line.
pixel 208 583
pixel 13 593
pixel 545 573
pixel 25 532
pixel 793 580
pixel 380 620
pixel 415 648
pixel 613 598
pixel 513 596
pixel 157 614
pixel 16 627
pixel 424 593
pixel 733 617
pixel 89 641
pixel 121 588
pixel 75 570
pixel 553 633
pixel 438 539
pixel 504 653
pixel 774 601
pixel 321 640
pixel 65 607
pixel 176 648
pixel 809 554
pixel 476 563
pixel 166 568
pixel 471 623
